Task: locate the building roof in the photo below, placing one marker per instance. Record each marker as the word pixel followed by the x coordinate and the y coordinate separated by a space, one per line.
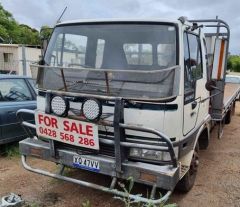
pixel 9 45
pixel 20 45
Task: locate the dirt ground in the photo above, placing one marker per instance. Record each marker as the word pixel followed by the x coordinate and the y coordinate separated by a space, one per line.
pixel 217 183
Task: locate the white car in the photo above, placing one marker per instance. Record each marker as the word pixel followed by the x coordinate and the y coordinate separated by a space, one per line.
pixel 232 79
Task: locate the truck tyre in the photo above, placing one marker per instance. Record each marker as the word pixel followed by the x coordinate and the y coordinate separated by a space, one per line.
pixel 229 114
pixel 187 181
pixel 228 117
pixel 234 108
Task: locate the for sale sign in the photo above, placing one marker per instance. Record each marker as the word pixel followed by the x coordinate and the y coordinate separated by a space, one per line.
pixel 74 132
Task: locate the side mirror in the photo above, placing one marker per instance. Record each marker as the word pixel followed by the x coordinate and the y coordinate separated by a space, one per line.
pixel 210 85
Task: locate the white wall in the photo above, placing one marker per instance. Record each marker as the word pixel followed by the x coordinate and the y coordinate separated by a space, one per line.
pixel 15 62
pixel 31 54
pixel 12 51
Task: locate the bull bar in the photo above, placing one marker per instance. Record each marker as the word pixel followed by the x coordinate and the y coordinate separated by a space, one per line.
pixel 167 175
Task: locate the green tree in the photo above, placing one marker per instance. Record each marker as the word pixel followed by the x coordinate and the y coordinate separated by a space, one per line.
pixel 45 32
pixel 234 63
pixel 7 24
pixel 12 32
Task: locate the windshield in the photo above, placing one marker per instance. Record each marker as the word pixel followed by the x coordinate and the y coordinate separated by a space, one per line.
pixel 130 60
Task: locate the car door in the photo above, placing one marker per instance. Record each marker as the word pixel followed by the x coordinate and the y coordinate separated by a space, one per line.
pixel 15 94
pixel 193 80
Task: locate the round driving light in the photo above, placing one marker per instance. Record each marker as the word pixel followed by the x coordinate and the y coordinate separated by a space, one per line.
pixel 92 109
pixel 59 106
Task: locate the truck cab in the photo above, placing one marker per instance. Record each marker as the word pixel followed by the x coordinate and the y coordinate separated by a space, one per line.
pixel 124 98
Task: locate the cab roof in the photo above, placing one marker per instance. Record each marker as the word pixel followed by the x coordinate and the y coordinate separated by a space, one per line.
pixel 148 20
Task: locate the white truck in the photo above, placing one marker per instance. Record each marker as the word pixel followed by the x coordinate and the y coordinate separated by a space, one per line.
pixel 131 98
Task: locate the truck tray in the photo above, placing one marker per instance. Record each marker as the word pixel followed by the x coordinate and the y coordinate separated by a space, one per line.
pixel 231 91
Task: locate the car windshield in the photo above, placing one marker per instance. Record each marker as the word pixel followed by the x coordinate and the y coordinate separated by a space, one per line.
pixel 127 60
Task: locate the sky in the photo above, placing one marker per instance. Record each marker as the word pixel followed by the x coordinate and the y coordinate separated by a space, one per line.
pixel 36 13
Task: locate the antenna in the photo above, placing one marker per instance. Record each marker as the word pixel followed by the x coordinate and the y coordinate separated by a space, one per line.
pixel 59 19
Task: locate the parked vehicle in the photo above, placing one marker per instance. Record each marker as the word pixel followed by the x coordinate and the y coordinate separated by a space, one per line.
pixel 131 98
pixel 16 92
pixel 233 79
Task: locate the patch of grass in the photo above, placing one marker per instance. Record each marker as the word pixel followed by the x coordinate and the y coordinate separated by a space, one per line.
pixel 32 204
pixel 67 172
pixel 86 203
pixel 10 150
pixel 131 203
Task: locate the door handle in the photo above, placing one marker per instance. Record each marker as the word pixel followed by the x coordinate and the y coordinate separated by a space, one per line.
pixel 194 104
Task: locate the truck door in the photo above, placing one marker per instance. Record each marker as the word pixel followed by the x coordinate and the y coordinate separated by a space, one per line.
pixel 193 80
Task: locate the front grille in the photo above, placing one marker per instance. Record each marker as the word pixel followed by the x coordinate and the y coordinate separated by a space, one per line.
pixel 106 150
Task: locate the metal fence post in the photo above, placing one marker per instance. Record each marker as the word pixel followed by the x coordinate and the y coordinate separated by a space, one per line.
pixel 24 62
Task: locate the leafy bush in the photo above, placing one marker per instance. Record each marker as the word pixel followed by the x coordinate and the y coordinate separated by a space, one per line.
pixel 234 63
pixel 10 150
pixel 13 32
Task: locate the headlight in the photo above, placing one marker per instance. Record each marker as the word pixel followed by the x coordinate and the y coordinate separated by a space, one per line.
pixel 92 109
pixel 151 154
pixel 59 106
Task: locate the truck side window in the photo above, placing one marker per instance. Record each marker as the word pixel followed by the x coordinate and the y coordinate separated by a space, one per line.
pixel 189 82
pixel 195 56
pixel 188 76
pixel 192 64
pixel 207 61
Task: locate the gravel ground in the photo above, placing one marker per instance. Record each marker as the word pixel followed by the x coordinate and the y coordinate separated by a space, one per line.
pixel 217 183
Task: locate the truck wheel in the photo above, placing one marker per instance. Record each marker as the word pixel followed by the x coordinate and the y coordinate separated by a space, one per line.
pixel 230 113
pixel 234 108
pixel 187 181
pixel 228 117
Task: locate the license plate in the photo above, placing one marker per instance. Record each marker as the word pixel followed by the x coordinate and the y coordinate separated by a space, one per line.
pixel 85 163
pixel 74 132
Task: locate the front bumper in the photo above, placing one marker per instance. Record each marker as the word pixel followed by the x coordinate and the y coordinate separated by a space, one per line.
pixel 164 177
